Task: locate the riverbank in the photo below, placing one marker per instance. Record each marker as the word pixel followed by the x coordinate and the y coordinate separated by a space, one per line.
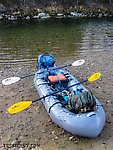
pixel 29 11
pixel 33 128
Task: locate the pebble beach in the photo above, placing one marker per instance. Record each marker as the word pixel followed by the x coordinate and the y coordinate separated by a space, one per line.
pixel 33 128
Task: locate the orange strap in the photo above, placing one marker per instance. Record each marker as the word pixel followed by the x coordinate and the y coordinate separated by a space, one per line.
pixel 56 78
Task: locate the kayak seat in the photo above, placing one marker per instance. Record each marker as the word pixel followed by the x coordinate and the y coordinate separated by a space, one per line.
pixel 57 78
pixel 57 82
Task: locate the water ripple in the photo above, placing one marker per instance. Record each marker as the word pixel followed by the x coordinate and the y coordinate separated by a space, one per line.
pixel 21 44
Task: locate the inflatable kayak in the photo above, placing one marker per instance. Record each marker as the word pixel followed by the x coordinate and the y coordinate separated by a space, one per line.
pixel 50 79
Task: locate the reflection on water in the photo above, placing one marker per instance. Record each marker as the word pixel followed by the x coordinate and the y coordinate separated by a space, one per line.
pixel 97 37
pixel 22 43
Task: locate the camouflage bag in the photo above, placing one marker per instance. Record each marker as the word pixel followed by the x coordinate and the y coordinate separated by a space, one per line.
pixel 81 102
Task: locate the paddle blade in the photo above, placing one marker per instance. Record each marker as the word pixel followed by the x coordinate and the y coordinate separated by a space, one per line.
pixel 78 62
pixel 19 107
pixel 94 77
pixel 10 80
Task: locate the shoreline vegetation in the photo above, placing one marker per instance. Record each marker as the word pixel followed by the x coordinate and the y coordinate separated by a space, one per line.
pixel 34 9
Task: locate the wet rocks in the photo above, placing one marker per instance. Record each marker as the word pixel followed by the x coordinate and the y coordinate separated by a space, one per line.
pixel 56 12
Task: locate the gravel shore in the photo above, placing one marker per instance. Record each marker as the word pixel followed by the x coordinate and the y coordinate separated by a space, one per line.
pixel 34 129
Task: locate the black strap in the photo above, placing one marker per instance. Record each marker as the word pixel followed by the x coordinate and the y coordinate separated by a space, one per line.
pixel 53 105
pixel 42 83
pixel 63 104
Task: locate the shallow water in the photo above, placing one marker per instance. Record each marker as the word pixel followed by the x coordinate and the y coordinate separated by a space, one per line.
pixel 21 43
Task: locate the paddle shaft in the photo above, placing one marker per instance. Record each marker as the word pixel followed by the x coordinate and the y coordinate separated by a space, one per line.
pixel 45 71
pixel 27 76
pixel 59 91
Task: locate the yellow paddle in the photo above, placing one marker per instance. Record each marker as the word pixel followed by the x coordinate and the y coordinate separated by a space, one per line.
pixel 24 104
pixel 94 77
pixel 19 107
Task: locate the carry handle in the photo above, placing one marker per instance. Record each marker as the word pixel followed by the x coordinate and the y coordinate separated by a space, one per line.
pixel 47 54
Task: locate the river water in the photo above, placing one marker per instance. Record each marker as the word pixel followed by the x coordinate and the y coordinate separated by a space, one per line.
pixel 21 43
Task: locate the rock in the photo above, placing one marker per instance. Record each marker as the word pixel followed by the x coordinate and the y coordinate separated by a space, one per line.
pixel 35 17
pixel 71 137
pixel 74 14
pixel 56 137
pixel 60 15
pixel 1 16
pixel 41 15
pixel 15 143
pixel 53 132
pixel 100 15
pixel 27 17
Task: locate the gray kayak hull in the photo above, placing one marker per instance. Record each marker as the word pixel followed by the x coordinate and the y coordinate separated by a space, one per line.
pixel 89 124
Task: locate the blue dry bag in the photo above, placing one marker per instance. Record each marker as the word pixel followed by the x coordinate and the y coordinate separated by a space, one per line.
pixel 45 61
